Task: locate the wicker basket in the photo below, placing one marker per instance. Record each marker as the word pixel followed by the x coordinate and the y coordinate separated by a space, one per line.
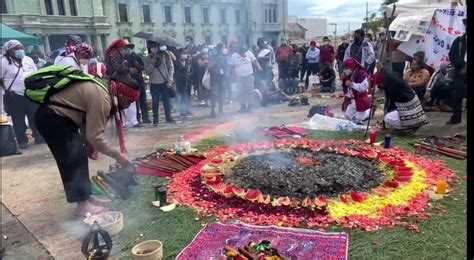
pixel 148 250
pixel 113 219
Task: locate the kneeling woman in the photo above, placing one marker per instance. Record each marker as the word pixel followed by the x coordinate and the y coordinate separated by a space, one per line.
pixel 355 84
pixel 403 109
pixel 87 106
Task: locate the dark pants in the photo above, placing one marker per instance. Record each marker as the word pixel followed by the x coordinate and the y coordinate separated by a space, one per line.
pixel 217 96
pixel 440 95
pixel 142 101
pixel 420 92
pixel 340 68
pixel 283 69
pixel 157 91
pixel 182 88
pixel 68 148
pixel 398 68
pixel 303 71
pixel 21 107
pixel 312 69
pixel 458 94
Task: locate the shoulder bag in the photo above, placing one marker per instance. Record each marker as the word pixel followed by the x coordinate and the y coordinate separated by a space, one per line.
pixel 8 95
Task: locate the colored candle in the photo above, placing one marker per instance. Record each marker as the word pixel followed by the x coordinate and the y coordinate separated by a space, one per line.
pixel 386 143
pixel 372 137
pixel 441 185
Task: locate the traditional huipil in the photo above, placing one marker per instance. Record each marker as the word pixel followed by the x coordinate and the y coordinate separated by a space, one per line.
pixel 356 105
pixel 403 108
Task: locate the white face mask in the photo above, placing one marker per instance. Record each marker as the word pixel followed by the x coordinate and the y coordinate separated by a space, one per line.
pixel 184 56
pixel 83 61
pixel 154 49
pixel 225 51
pixel 93 60
pixel 163 48
pixel 347 72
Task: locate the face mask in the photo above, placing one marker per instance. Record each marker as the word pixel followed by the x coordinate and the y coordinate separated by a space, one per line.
pixel 184 56
pixel 127 51
pixel 284 43
pixel 205 50
pixel 325 42
pixel 93 60
pixel 347 72
pixel 163 48
pixel 83 61
pixel 154 49
pixel 357 39
pixel 19 54
pixel 225 51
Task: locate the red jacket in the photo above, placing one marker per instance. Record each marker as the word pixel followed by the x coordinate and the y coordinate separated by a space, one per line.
pixel 326 54
pixel 283 52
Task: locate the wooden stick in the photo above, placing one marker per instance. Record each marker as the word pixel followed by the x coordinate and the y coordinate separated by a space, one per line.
pixel 446 149
pixel 439 151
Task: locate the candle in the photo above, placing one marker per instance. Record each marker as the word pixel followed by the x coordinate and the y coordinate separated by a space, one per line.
pixel 441 185
pixel 372 136
pixel 386 143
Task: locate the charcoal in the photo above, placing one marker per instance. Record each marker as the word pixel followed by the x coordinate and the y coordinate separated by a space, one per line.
pixel 280 173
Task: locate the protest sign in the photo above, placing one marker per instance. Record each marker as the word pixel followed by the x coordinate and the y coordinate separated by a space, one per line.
pixel 411 23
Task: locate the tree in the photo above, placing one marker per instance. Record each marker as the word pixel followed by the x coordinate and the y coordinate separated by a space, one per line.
pixel 374 22
pixel 385 3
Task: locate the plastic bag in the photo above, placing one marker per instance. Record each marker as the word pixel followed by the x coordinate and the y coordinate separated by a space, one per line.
pixel 206 80
pixel 313 80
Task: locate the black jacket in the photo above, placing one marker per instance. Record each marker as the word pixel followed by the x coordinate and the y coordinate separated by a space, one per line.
pixel 457 53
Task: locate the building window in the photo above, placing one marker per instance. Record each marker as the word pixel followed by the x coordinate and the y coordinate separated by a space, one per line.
pixel 224 40
pixel 168 17
pixel 49 7
pixel 123 15
pixel 187 14
pixel 146 14
pixel 223 16
pixel 208 40
pixel 72 6
pixel 237 16
pixel 61 10
pixel 3 7
pixel 270 13
pixel 205 15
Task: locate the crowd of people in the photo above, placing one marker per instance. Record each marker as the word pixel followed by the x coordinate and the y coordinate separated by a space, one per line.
pixel 77 116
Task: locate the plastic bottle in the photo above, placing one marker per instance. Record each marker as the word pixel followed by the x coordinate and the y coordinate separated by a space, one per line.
pixel 182 145
pixel 350 127
pixel 387 141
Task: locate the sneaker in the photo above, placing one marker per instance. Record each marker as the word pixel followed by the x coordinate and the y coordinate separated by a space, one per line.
pixel 23 146
pixel 147 121
pixel 451 122
pixel 171 121
pixel 445 108
pixel 202 103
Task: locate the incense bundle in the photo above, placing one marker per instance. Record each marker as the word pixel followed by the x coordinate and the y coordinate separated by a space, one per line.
pixel 439 151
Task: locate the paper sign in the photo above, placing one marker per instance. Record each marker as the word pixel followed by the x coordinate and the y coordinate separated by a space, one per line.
pixel 411 23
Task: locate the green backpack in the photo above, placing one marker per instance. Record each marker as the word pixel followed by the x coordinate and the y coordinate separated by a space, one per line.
pixel 44 83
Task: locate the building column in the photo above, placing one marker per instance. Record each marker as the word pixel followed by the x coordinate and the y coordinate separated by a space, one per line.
pixel 47 47
pixel 88 39
pixel 67 8
pixel 98 45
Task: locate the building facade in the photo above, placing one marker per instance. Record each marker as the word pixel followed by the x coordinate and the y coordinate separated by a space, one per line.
pixel 101 21
pixel 296 32
pixel 53 20
pixel 317 27
pixel 211 21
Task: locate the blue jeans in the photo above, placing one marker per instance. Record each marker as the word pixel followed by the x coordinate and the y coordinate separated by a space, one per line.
pixel 156 91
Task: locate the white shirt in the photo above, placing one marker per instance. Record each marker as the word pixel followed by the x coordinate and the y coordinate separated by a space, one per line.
pixel 9 71
pixel 243 63
pixel 68 60
pixel 359 87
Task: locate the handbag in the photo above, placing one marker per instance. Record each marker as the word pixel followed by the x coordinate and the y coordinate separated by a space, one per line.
pixel 206 80
pixel 8 95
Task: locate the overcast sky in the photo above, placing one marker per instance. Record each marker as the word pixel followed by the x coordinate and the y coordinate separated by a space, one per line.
pixel 340 12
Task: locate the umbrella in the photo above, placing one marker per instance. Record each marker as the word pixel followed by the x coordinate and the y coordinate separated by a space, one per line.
pixel 161 38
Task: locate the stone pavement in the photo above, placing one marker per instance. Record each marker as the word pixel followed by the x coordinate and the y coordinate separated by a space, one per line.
pixel 32 188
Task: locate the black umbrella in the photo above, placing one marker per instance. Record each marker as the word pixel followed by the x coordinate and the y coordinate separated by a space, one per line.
pixel 161 38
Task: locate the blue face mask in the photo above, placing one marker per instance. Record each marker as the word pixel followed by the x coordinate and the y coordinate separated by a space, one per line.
pixel 19 54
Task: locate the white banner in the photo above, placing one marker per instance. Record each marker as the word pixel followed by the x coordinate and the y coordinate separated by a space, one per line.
pixel 445 26
pixel 411 23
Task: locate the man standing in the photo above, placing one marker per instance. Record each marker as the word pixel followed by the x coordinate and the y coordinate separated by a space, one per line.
pixel 242 62
pixel 361 50
pixel 341 50
pixel 15 68
pixel 136 71
pixel 159 67
pixel 304 64
pixel 282 55
pixel 458 57
pixel 327 54
pixel 312 55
